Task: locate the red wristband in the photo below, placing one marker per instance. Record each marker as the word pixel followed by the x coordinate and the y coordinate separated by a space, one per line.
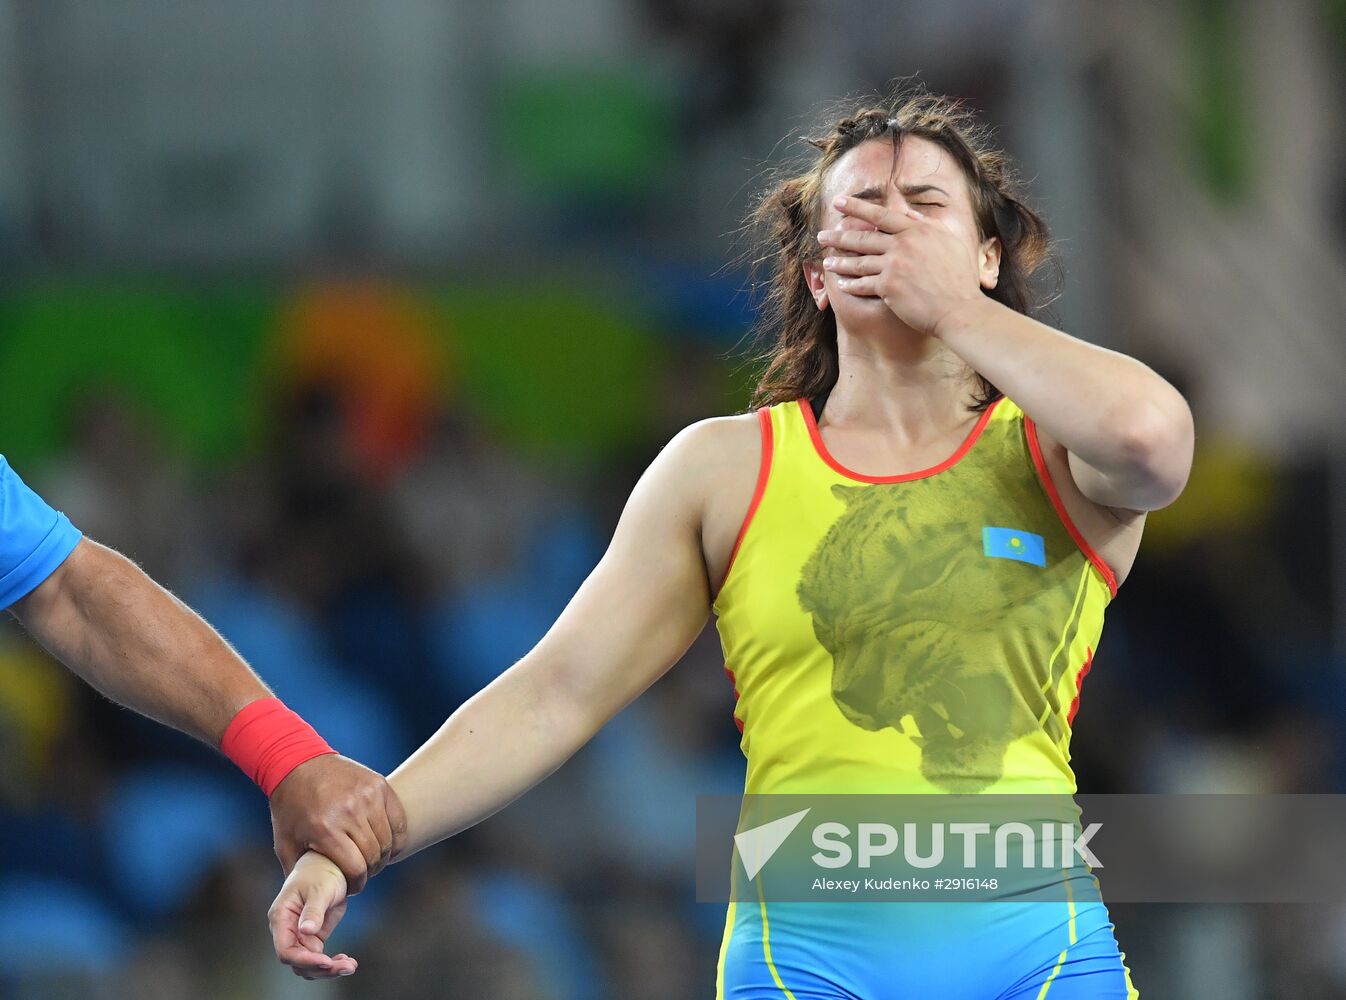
pixel 268 741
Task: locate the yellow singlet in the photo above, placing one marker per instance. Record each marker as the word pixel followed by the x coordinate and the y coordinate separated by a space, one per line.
pixel 926 632
pixel 921 633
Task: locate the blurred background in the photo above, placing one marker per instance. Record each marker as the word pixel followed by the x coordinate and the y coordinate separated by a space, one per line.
pixel 355 323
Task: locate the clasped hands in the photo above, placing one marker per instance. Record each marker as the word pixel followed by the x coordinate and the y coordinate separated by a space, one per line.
pixel 336 824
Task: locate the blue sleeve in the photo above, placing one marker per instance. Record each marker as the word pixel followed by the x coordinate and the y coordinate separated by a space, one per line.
pixel 34 539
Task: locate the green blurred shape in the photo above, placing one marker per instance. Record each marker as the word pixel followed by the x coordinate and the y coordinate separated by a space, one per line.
pixel 1334 13
pixel 186 357
pixel 552 370
pixel 585 130
pixel 1217 120
pixel 557 370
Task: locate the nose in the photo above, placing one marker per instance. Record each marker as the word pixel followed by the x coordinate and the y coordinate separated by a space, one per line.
pixel 851 222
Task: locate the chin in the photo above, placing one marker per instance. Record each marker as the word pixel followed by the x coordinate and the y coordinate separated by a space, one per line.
pixel 869 316
pixel 863 309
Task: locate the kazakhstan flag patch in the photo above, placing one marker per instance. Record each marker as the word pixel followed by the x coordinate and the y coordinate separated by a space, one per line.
pixel 1010 543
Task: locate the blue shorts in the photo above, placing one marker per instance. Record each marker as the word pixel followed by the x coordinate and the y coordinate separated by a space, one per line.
pixel 916 951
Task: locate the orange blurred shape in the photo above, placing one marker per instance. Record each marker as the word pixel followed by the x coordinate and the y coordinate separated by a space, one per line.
pixel 376 344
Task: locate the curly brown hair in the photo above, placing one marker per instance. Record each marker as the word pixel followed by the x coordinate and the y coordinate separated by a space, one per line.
pixel 798 341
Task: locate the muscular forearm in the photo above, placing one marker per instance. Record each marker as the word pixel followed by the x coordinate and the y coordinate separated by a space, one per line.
pixel 1108 409
pixel 143 648
pixel 111 624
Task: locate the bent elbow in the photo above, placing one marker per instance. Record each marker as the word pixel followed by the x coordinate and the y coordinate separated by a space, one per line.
pixel 1158 441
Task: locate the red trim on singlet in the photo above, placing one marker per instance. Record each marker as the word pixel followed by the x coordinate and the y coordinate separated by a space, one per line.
pixel 734 681
pixel 1079 684
pixel 763 474
pixel 821 448
pixel 1040 463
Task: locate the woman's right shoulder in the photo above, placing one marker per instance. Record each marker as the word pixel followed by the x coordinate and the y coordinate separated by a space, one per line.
pixel 713 467
pixel 718 444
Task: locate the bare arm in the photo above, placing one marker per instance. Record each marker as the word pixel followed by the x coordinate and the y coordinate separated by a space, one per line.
pixel 106 620
pixel 1128 432
pixel 632 619
pixel 102 617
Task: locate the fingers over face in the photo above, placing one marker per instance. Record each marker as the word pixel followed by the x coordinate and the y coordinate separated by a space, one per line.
pixel 889 220
pixel 853 266
pixel 856 240
pixel 866 286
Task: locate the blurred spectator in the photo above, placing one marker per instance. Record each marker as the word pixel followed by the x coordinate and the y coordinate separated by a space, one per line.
pixel 119 484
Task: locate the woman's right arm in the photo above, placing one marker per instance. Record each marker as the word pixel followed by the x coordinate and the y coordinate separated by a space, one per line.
pixel 633 618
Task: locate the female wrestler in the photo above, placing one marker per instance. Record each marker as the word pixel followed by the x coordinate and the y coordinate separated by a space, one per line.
pixel 909 546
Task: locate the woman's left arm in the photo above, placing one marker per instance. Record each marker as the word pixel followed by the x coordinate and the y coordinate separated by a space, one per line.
pixel 1128 432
